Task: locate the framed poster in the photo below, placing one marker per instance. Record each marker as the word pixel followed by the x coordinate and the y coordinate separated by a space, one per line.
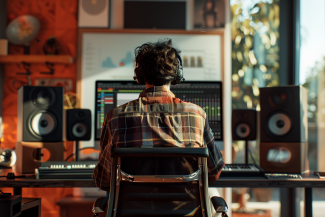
pixel 93 14
pixel 209 14
pixel 106 54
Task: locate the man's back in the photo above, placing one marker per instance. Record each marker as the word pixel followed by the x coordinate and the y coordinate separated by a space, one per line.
pixel 156 119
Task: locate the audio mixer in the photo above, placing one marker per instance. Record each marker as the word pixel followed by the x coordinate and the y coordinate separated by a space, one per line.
pixel 65 170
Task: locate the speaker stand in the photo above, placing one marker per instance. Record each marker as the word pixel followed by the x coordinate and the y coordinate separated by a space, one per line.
pixel 77 152
pixel 246 152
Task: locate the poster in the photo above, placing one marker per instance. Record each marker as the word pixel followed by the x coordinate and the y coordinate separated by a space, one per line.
pixel 209 14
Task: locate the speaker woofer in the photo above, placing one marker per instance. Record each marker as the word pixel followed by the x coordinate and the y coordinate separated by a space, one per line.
pixel 79 130
pixel 43 123
pixel 243 130
pixel 279 124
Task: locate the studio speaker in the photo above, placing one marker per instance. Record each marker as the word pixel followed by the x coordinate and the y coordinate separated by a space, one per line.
pixel 283 129
pixel 243 124
pixel 283 114
pixel 78 124
pixel 93 14
pixel 40 112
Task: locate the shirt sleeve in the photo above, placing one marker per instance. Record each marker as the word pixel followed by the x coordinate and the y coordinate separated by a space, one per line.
pixel 215 161
pixel 102 172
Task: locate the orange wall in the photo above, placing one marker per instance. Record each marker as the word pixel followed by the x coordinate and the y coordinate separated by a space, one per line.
pixel 58 18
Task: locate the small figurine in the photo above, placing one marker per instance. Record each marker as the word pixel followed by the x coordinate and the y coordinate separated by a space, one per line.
pixel 51 46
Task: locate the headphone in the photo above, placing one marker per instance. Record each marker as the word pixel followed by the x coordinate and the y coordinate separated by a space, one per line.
pixel 178 77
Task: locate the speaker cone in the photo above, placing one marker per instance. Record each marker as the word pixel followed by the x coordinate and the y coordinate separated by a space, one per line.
pixel 79 130
pixel 43 97
pixel 243 130
pixel 43 123
pixel 279 124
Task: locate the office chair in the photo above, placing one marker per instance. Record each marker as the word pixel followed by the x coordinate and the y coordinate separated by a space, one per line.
pixel 159 182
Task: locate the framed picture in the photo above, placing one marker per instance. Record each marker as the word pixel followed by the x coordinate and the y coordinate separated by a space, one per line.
pixel 93 14
pixel 209 14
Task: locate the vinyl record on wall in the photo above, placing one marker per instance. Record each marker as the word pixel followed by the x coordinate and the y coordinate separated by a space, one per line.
pixel 93 14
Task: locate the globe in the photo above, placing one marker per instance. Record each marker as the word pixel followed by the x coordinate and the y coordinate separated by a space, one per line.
pixel 22 30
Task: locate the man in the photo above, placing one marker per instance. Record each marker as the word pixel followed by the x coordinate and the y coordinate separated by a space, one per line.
pixel 157 118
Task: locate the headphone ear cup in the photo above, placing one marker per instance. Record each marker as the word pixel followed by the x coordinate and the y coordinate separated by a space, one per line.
pixel 179 71
pixel 179 75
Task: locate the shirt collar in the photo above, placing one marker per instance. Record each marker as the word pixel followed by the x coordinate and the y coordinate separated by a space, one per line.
pixel 156 91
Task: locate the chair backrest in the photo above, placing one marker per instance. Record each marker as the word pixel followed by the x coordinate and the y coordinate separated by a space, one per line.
pixel 159 182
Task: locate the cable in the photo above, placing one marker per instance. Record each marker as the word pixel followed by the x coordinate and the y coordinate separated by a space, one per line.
pixel 75 153
pixel 250 152
pixel 12 176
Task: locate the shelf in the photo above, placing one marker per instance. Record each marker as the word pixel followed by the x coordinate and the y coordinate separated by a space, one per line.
pixel 65 59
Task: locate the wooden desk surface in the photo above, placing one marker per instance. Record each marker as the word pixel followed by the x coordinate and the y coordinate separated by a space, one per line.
pixel 31 181
pixel 308 181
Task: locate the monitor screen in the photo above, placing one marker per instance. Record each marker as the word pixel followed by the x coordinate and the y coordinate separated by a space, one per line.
pixel 110 94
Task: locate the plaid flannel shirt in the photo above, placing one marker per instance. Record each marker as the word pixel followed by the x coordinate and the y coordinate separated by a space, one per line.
pixel 155 119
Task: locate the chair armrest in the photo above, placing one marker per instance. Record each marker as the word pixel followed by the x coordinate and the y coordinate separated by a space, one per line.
pixel 160 152
pixel 100 205
pixel 219 204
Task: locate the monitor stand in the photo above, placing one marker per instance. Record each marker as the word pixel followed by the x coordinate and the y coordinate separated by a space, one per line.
pixel 77 152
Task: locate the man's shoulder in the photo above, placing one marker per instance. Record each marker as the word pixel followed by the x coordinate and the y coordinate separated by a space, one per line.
pixel 129 106
pixel 183 106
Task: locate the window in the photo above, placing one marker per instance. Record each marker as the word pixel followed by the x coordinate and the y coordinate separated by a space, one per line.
pixel 312 54
pixel 255 64
pixel 255 49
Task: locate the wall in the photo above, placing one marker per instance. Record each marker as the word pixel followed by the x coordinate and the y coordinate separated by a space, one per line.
pixel 3 15
pixel 58 18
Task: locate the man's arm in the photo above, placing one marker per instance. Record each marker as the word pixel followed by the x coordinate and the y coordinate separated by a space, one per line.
pixel 102 172
pixel 215 161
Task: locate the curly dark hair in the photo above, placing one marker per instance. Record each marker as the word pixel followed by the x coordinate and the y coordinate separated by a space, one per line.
pixel 156 63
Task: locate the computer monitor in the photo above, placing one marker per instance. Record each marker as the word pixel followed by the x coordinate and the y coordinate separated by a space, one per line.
pixel 208 95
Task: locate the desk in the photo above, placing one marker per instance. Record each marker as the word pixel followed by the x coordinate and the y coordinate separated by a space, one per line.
pixel 308 182
pixel 288 192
